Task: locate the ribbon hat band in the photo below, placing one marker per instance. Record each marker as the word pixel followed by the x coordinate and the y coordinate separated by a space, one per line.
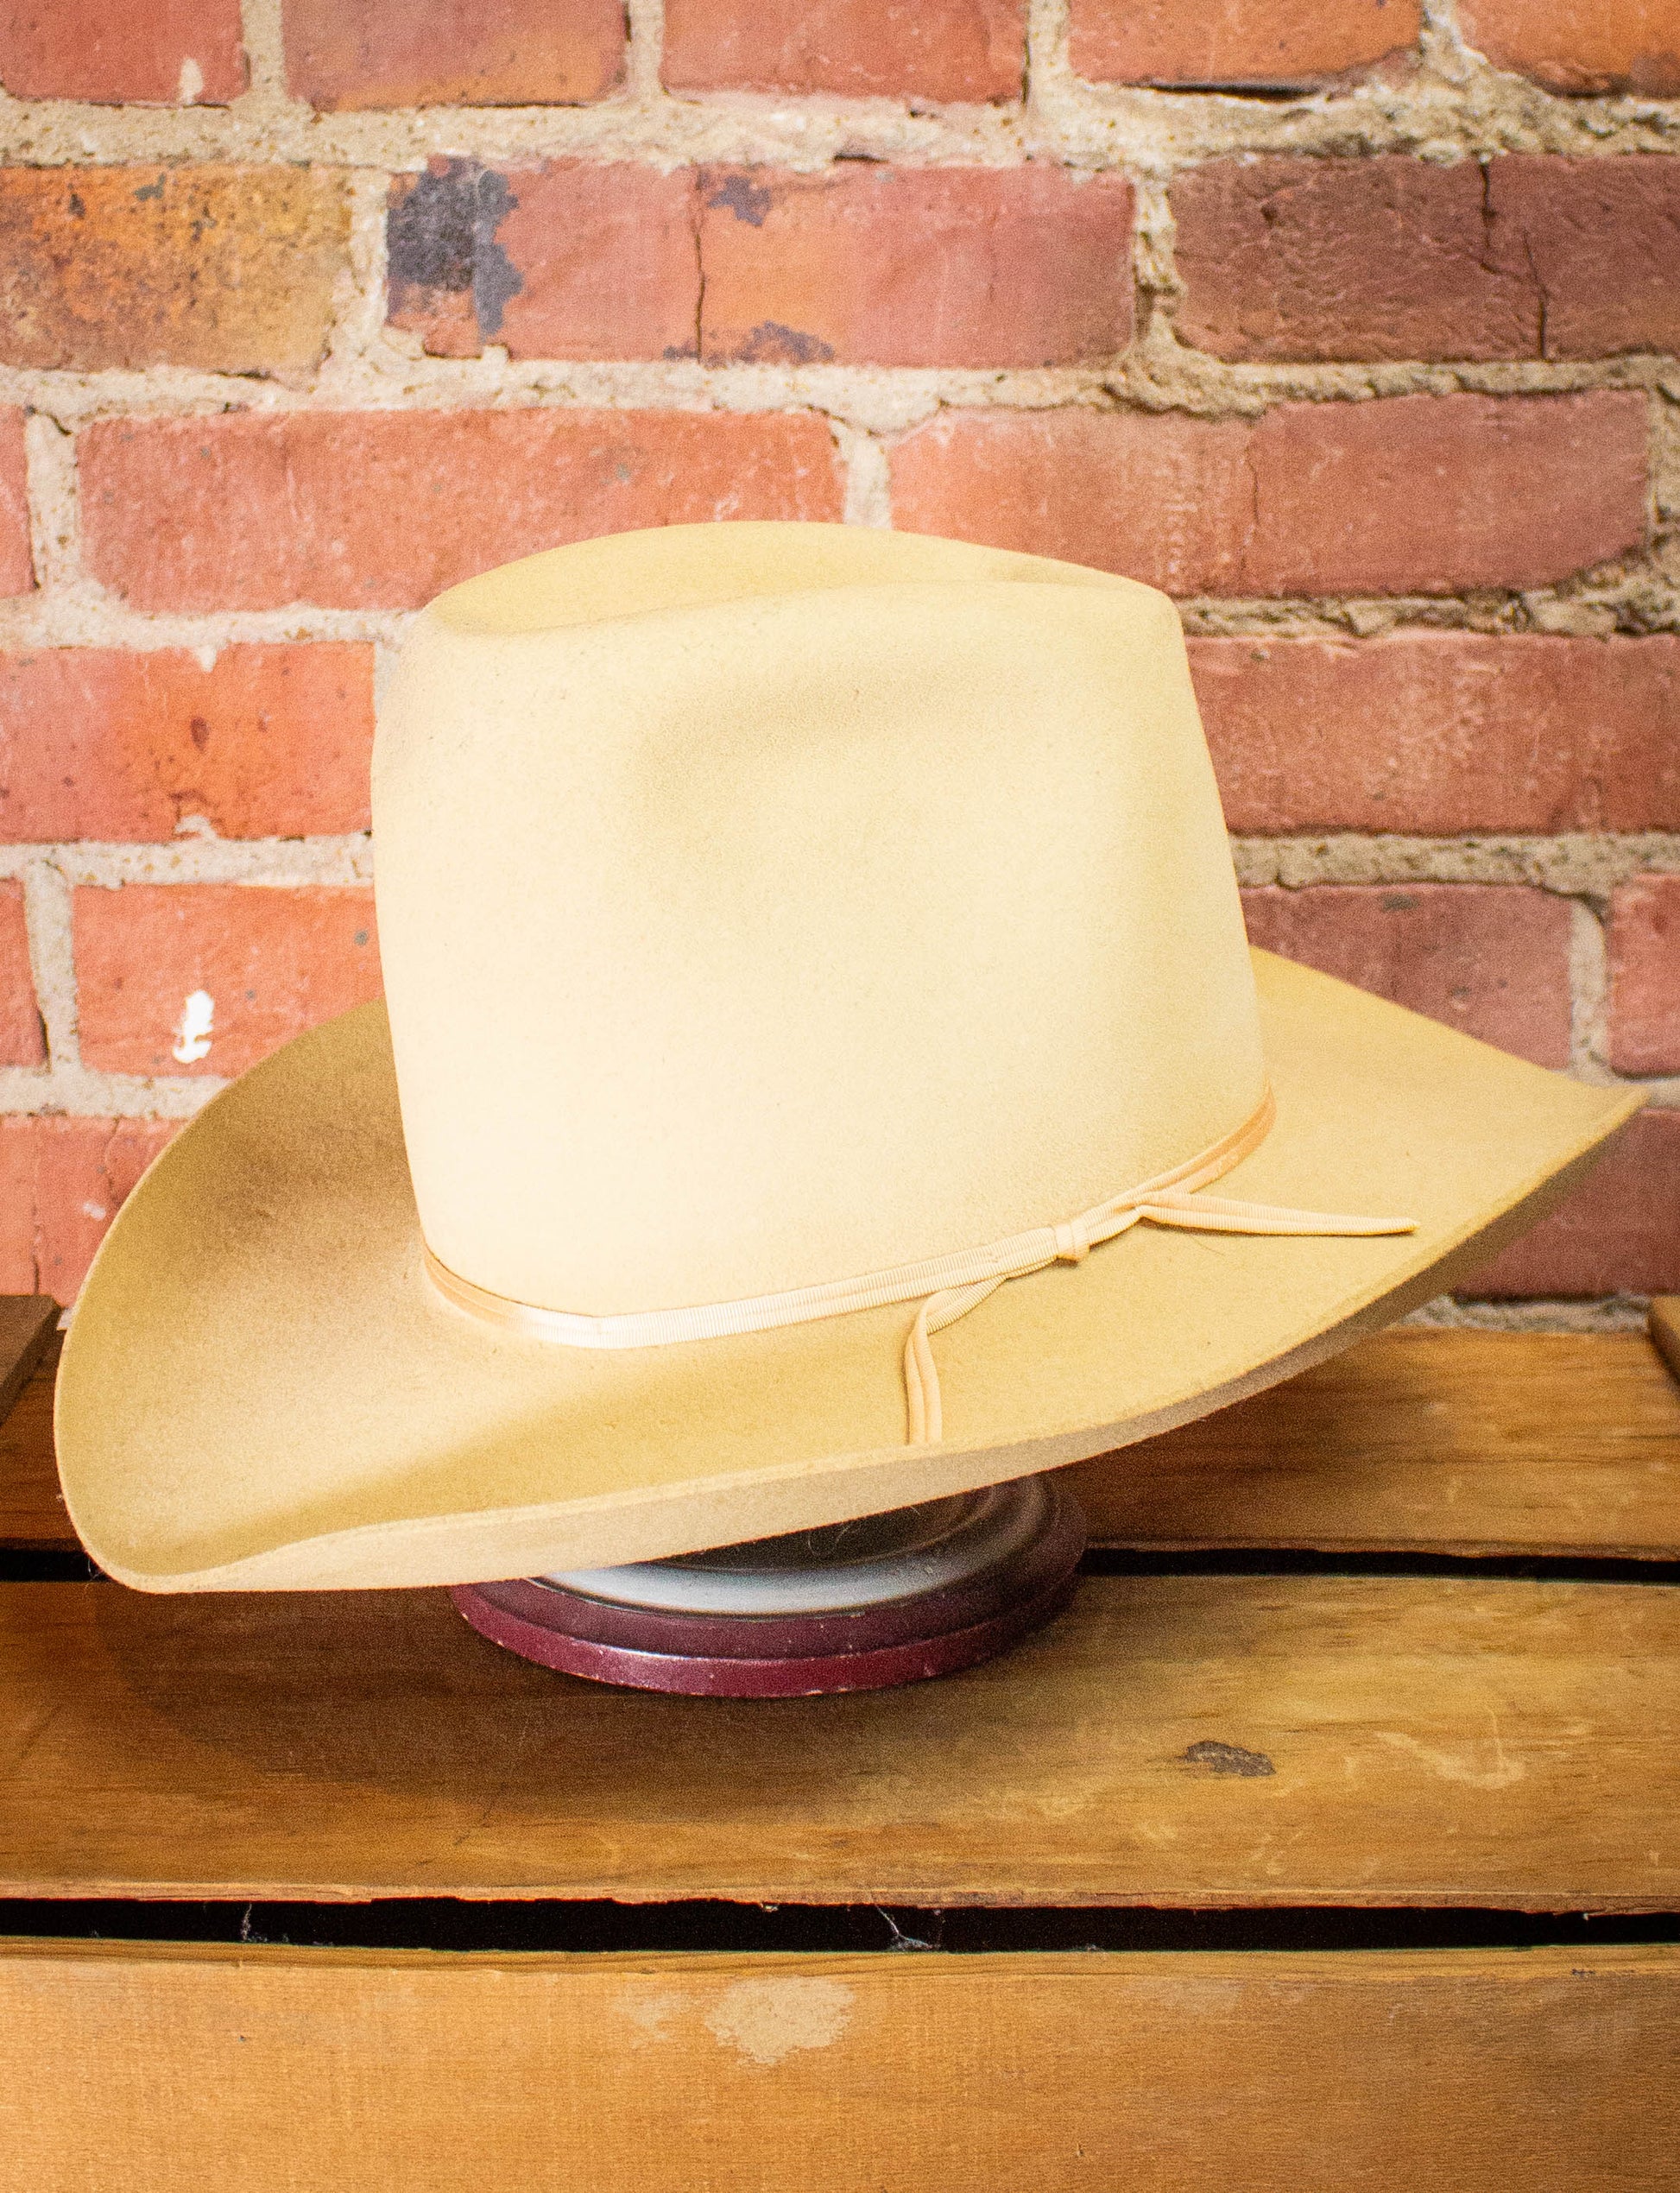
pixel 949 1287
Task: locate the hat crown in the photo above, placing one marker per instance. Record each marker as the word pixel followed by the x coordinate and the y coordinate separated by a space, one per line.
pixel 763 905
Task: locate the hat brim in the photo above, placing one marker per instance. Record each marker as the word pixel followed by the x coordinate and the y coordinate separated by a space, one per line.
pixel 261 1389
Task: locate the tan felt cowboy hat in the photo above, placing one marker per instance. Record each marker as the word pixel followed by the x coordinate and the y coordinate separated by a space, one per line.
pixel 799 942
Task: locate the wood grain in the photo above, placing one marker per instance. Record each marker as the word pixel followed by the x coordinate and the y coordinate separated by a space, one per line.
pixel 1423 1742
pixel 1428 1441
pixel 1448 1442
pixel 32 1511
pixel 28 1322
pixel 127 2069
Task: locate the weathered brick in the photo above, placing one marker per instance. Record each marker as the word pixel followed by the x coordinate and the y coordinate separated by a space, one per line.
pixel 21 1042
pixel 915 266
pixel 260 742
pixel 1163 498
pixel 1603 236
pixel 230 269
pixel 62 1181
pixel 163 54
pixel 1411 495
pixel 1430 494
pixel 1262 45
pixel 17 572
pixel 453 52
pixel 1619 1232
pixel 929 266
pixel 924 49
pixel 1492 960
pixel 1580 45
pixel 155 962
pixel 572 260
pixel 383 509
pixel 1376 258
pixel 1400 258
pixel 1645 976
pixel 1443 732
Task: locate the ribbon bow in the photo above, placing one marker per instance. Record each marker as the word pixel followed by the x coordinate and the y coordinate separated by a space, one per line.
pixel 1170 1199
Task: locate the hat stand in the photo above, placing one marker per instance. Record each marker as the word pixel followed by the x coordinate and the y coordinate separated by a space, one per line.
pixel 892 1598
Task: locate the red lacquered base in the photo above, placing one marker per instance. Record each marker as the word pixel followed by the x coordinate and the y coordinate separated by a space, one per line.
pixel 1013 1578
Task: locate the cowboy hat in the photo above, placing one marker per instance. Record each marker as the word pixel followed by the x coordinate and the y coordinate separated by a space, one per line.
pixel 800 941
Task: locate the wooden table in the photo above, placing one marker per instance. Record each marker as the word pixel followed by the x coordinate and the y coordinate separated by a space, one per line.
pixel 1327 1841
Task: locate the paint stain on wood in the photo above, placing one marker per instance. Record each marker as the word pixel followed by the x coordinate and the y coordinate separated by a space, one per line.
pixel 768 2020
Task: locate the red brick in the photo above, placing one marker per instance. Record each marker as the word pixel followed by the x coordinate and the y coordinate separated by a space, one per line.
pixel 17 574
pixel 572 260
pixel 62 1181
pixel 147 55
pixel 920 49
pixel 1580 45
pixel 272 961
pixel 1166 499
pixel 916 266
pixel 383 509
pixel 1619 1232
pixel 21 1042
pixel 452 52
pixel 1441 732
pixel 1379 258
pixel 1266 45
pixel 1432 495
pixel 1400 258
pixel 1414 495
pixel 1492 960
pixel 1603 236
pixel 268 742
pixel 1645 976
pixel 230 268
pixel 931 266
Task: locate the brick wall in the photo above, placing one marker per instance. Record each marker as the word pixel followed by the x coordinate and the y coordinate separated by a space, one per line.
pixel 1352 323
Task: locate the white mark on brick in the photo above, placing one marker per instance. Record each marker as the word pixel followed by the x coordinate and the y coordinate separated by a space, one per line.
pixel 191 81
pixel 205 657
pixel 94 1211
pixel 192 1036
pixel 767 2019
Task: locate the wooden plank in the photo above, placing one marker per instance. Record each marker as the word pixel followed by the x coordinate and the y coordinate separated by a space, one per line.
pixel 28 1322
pixel 127 2069
pixel 32 1511
pixel 1666 1329
pixel 1449 1442
pixel 1428 1441
pixel 1177 1741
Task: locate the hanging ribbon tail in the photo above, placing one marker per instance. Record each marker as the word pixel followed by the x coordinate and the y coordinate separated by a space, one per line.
pixel 921 1374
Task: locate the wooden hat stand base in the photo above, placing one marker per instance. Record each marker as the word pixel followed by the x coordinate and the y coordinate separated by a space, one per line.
pixel 858 1606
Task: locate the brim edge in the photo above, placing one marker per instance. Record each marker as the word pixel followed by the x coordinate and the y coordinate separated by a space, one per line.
pixel 945 1471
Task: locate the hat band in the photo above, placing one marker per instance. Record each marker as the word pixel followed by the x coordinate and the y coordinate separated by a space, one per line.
pixel 949 1286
